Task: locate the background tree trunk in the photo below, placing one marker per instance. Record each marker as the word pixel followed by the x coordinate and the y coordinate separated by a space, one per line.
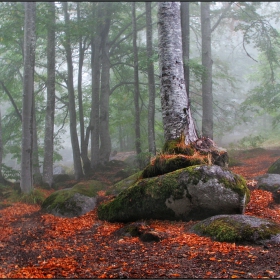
pixel 207 96
pixel 151 80
pixel 95 72
pixel 50 109
pixel 78 171
pixel 136 87
pixel 105 139
pixel 177 119
pixel 83 141
pixel 26 180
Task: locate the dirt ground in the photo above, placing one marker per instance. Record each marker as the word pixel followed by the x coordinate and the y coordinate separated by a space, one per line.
pixel 38 245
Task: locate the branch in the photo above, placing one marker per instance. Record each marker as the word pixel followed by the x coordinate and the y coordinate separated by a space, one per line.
pixel 12 100
pixel 221 16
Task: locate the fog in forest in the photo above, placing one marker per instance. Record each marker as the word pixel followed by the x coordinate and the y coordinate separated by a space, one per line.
pixel 96 44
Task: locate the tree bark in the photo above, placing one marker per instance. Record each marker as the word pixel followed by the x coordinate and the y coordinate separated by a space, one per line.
pixel 177 119
pixel 26 181
pixel 78 171
pixel 136 86
pixel 95 72
pixel 83 140
pixel 207 95
pixel 105 139
pixel 50 108
pixel 151 80
pixel 185 24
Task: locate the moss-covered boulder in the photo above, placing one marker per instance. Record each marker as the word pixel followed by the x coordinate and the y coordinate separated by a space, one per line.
pixel 274 168
pixel 75 201
pixel 124 184
pixel 270 183
pixel 238 228
pixel 191 193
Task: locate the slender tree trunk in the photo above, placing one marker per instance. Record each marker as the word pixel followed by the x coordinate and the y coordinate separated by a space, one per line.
pixel 136 86
pixel 71 96
pixel 50 109
pixel 26 181
pixel 185 23
pixel 207 96
pixel 177 119
pixel 95 62
pixel 151 80
pixel 105 139
pixel 84 143
pixel 95 72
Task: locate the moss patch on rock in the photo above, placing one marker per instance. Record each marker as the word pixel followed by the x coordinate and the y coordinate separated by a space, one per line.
pixel 165 163
pixel 66 202
pixel 274 168
pixel 237 228
pixel 123 184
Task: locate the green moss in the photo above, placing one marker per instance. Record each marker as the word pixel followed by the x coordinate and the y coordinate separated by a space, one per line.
pixel 124 184
pixel 274 168
pixel 58 198
pixel 163 164
pixel 229 230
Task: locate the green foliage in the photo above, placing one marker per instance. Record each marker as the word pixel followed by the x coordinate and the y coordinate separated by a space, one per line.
pixel 9 173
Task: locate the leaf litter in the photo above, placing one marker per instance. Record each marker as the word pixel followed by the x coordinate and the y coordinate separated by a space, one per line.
pixel 34 244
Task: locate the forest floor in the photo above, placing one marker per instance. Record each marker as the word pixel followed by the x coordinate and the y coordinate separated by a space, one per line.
pixel 38 245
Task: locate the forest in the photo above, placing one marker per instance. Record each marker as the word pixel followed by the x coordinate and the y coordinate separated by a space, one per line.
pixel 139 140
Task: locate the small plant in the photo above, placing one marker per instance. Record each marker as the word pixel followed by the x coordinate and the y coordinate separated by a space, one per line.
pixel 251 141
pixel 34 197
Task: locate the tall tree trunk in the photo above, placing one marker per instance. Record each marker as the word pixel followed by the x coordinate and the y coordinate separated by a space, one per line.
pixel 185 24
pixel 151 80
pixel 95 73
pixel 26 180
pixel 105 139
pixel 50 108
pixel 177 119
pixel 71 96
pixel 83 141
pixel 207 96
pixel 136 87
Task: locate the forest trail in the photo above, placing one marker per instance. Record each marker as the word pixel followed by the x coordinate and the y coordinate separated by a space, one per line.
pixel 38 245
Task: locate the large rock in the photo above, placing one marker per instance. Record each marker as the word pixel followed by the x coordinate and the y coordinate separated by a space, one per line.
pixel 191 193
pixel 274 168
pixel 271 183
pixel 75 201
pixel 123 184
pixel 238 228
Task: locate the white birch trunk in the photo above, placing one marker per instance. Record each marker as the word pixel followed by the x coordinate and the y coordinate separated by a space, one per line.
pixel 176 112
